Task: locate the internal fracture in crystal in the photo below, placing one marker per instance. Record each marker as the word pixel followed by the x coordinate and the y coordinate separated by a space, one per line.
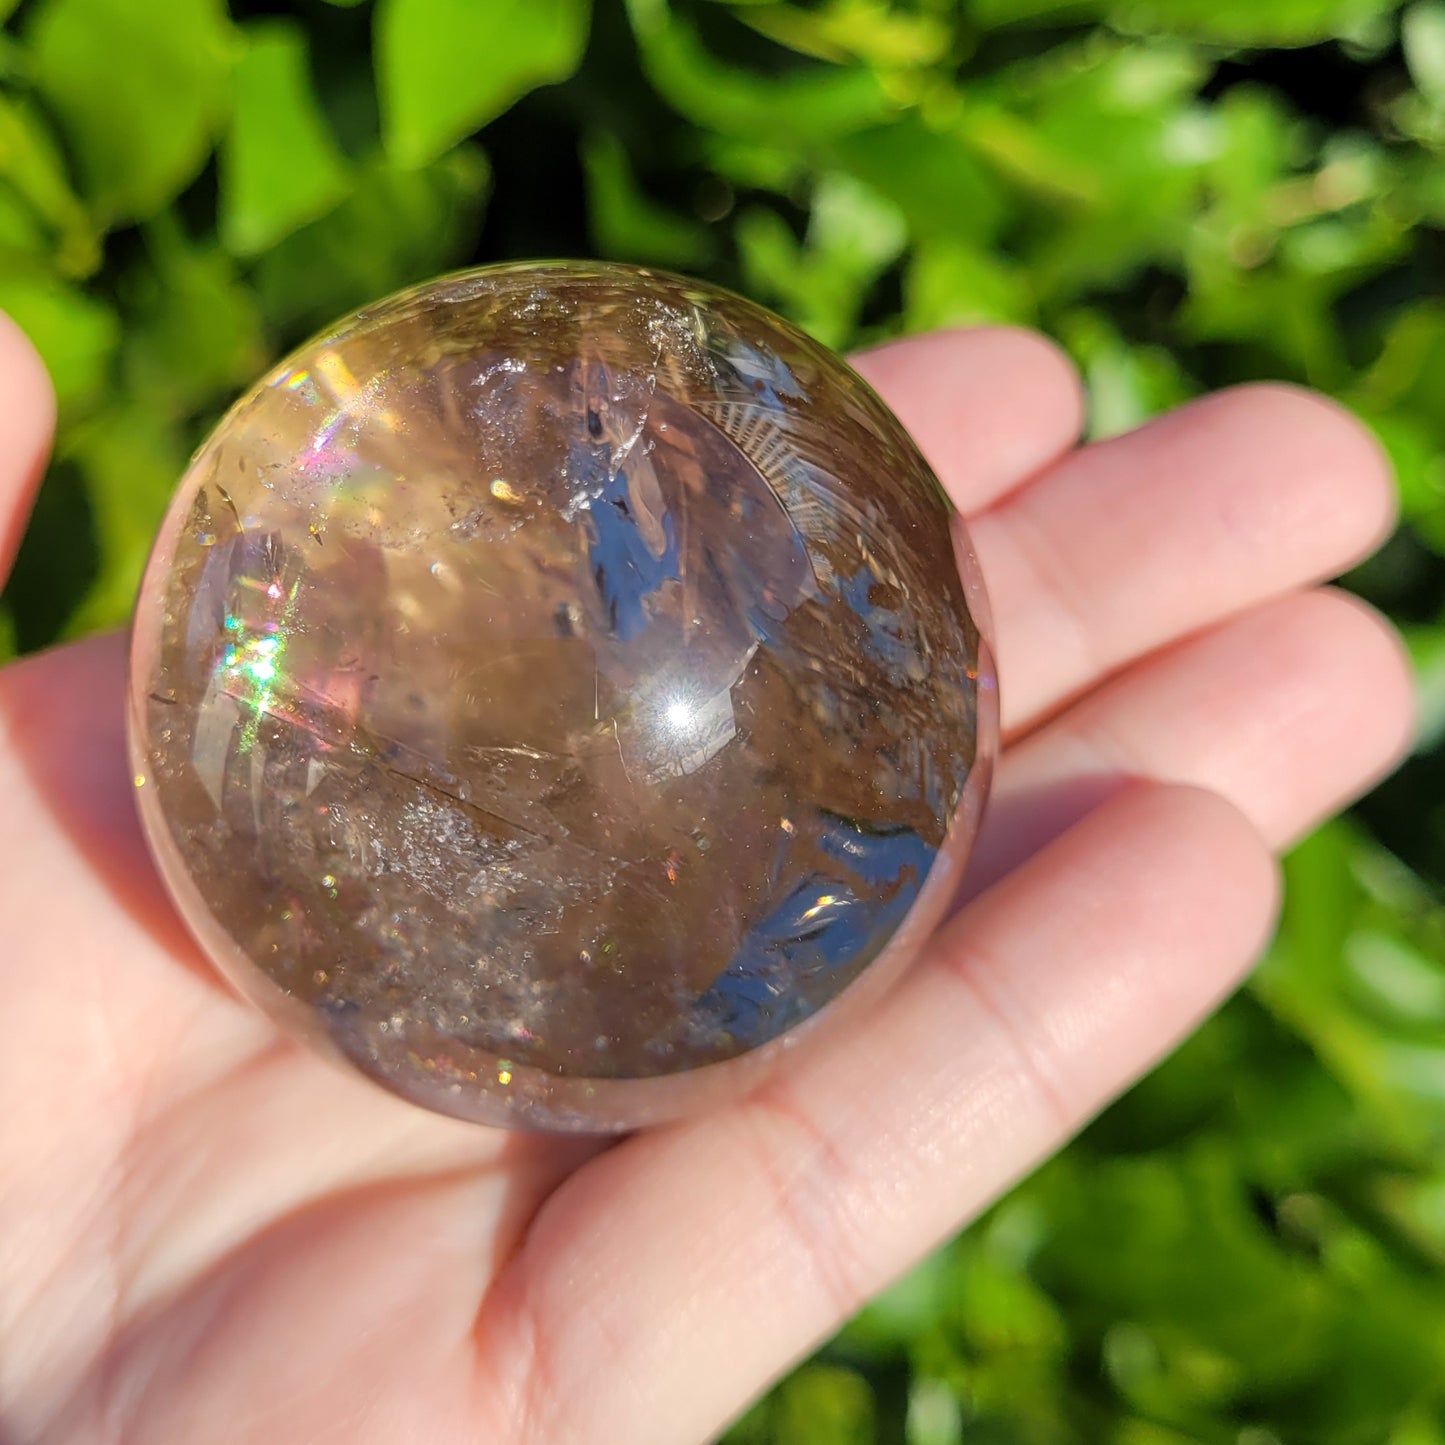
pixel 556 685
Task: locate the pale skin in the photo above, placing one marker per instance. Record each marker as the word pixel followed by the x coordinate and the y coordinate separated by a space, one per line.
pixel 207 1234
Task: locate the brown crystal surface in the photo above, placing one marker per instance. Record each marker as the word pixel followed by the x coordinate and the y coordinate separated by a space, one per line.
pixel 555 682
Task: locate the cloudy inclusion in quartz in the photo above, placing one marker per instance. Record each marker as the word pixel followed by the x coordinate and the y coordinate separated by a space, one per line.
pixel 553 686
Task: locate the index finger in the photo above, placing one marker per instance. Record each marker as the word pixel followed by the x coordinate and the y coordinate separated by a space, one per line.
pixel 27 422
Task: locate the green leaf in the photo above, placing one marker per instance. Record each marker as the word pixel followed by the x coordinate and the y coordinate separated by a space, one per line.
pixel 853 236
pixel 1249 22
pixel 954 283
pixel 1106 128
pixel 280 165
pixel 75 334
pixel 807 105
pixel 757 165
pixel 627 224
pixel 1410 368
pixel 934 1416
pixel 1337 884
pixel 58 558
pixel 991 14
pixel 1126 385
pixel 1418 1428
pixel 139 91
pixel 931 174
pixel 397 227
pixel 21 234
pixel 1254 149
pixel 1422 33
pixel 1291 314
pixel 1024 157
pixel 1427 651
pixel 1393 976
pixel 131 459
pixel 1403 397
pixel 31 164
pixel 1234 22
pixel 1418 460
pixel 1169 1241
pixel 194 334
pixel 447 67
pixel 824 1405
pixel 867 30
pixel 859 230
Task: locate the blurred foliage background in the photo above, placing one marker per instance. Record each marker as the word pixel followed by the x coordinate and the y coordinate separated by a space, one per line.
pixel 1250 1248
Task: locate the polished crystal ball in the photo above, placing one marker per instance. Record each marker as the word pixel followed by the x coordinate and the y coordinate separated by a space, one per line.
pixel 554 687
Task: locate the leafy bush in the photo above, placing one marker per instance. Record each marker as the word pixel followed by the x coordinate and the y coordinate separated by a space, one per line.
pixel 1249 1248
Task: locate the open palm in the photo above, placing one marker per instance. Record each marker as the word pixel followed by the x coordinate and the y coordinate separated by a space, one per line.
pixel 208 1235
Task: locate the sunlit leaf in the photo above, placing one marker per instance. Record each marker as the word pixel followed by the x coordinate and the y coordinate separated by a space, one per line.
pixel 139 91
pixel 33 169
pixel 131 458
pixel 955 283
pixel 810 104
pixel 21 235
pixel 761 165
pixel 1126 385
pixel 1417 454
pixel 397 227
pixel 854 29
pixel 1427 649
pixel 195 332
pixel 853 236
pixel 75 334
pixel 1245 22
pixel 1171 1243
pixel 934 1416
pixel 939 182
pixel 1417 1428
pixel 280 165
pixel 1422 33
pixel 447 67
pixel 627 224
pixel 1238 22
pixel 1393 977
pixel 1025 157
pixel 824 1405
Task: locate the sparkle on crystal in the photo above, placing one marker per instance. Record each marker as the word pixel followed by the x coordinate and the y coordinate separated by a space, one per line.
pixel 556 681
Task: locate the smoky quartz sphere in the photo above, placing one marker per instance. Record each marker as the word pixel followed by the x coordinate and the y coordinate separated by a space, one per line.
pixel 555 686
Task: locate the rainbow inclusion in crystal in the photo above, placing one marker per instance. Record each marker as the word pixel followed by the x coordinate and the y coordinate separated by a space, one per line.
pixel 553 687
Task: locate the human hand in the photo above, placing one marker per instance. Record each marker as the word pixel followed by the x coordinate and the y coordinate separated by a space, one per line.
pixel 209 1235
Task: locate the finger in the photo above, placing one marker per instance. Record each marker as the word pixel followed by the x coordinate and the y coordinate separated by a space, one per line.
pixel 1288 712
pixel 1130 544
pixel 745 1237
pixel 27 421
pixel 988 407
